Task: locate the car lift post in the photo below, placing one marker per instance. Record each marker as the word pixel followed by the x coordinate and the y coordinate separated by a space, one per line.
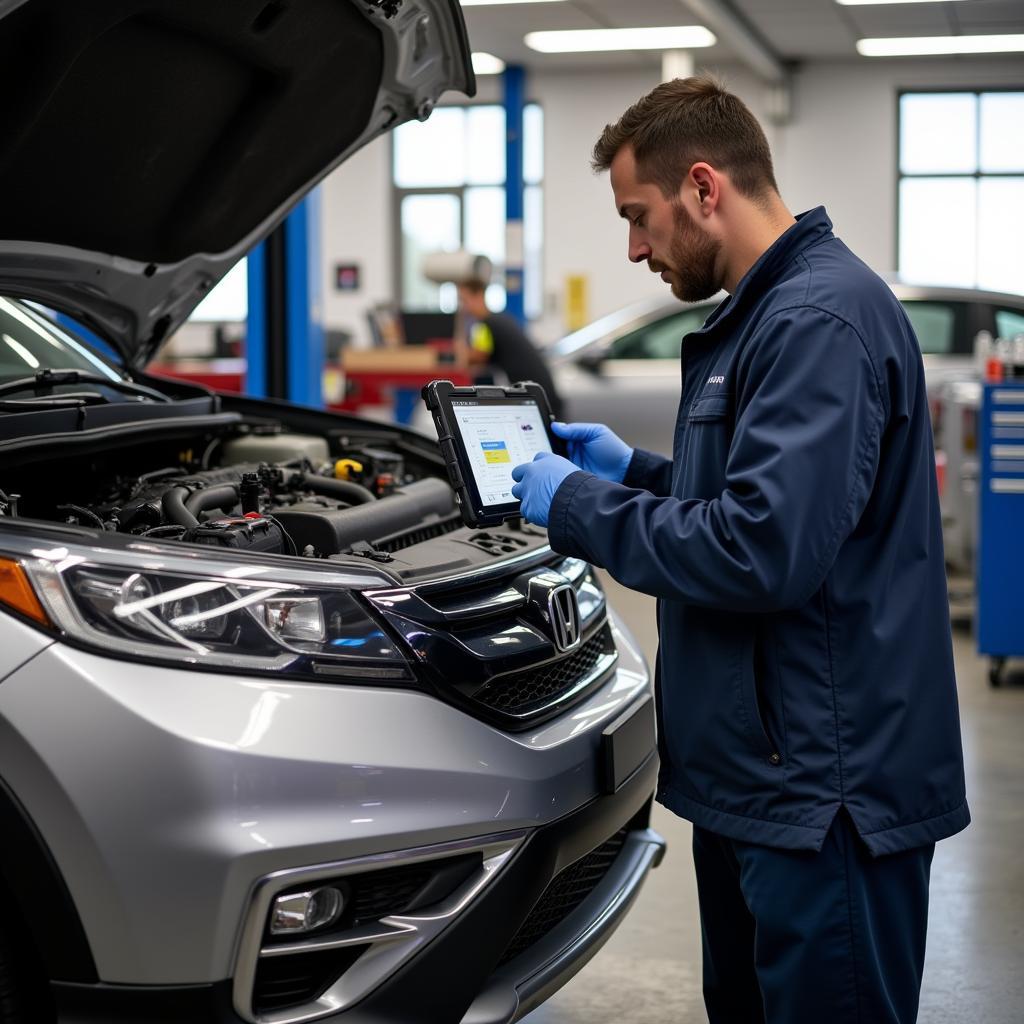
pixel 284 344
pixel 513 82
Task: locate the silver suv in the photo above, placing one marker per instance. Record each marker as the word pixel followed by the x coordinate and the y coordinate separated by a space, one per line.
pixel 280 739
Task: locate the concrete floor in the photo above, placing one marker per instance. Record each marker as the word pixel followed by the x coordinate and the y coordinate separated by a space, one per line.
pixel 649 972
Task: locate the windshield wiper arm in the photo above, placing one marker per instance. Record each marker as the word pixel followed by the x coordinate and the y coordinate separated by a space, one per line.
pixel 46 380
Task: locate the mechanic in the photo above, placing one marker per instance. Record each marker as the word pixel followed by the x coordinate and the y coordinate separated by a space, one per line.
pixel 497 339
pixel 808 721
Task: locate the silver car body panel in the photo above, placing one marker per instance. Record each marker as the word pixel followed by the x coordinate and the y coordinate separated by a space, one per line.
pixel 20 643
pixel 164 795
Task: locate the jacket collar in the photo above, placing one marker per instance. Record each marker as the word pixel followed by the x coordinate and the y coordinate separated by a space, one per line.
pixel 811 227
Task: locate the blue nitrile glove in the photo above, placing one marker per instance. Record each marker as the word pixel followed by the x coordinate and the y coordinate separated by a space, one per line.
pixel 595 449
pixel 537 482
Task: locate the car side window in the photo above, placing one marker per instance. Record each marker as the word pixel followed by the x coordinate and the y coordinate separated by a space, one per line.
pixel 1009 323
pixel 934 324
pixel 660 339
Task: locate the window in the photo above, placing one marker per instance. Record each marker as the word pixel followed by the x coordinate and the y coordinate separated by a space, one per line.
pixel 961 189
pixel 449 176
pixel 934 324
pixel 660 339
pixel 1009 322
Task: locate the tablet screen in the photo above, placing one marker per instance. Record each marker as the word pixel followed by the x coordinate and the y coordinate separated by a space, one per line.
pixel 499 435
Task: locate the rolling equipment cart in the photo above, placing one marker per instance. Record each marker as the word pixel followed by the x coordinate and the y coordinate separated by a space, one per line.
pixel 1000 583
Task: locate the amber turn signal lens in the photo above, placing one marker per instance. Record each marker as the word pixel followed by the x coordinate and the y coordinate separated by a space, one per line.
pixel 16 592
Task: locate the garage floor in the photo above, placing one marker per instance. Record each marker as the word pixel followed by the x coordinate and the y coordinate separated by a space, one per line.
pixel 649 972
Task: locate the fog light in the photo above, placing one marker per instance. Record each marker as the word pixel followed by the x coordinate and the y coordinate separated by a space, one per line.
pixel 300 912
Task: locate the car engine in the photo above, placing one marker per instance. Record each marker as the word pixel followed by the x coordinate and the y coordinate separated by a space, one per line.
pixel 277 493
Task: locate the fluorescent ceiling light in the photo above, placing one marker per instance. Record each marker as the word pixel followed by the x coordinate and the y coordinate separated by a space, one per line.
pixel 921 46
pixel 875 3
pixel 590 40
pixel 487 64
pixel 495 3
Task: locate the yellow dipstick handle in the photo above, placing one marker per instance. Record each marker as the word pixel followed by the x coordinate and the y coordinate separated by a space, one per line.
pixel 344 468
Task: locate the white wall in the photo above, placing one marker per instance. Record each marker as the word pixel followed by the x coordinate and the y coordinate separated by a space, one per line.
pixel 356 210
pixel 838 149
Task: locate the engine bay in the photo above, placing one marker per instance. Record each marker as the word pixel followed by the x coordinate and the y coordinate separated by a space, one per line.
pixel 256 485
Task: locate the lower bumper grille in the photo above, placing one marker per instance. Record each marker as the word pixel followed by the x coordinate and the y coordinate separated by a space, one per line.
pixel 566 891
pixel 288 981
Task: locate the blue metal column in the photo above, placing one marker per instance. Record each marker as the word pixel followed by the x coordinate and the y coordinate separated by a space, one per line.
pixel 304 303
pixel 256 324
pixel 284 332
pixel 514 97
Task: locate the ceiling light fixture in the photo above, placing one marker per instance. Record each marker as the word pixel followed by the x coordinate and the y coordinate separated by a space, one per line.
pixel 923 46
pixel 878 3
pixel 487 64
pixel 593 40
pixel 496 3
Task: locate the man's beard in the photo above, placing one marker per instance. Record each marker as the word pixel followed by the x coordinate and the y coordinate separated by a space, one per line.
pixel 693 254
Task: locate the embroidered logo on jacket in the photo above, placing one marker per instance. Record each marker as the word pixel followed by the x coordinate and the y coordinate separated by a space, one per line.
pixel 716 380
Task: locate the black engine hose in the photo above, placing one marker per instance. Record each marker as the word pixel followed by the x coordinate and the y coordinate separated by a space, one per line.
pixel 183 508
pixel 223 497
pixel 354 494
pixel 173 504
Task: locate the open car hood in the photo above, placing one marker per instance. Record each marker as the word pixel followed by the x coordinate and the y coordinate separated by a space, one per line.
pixel 149 144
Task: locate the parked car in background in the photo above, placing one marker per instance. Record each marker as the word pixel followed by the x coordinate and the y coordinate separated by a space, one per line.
pixel 623 369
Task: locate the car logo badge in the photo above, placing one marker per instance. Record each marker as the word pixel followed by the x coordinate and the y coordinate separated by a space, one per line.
pixel 564 616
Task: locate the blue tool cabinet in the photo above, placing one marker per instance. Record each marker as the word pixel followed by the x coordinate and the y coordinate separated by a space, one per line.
pixel 1000 566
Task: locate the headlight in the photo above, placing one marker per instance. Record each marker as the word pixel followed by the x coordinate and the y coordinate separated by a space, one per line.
pixel 145 602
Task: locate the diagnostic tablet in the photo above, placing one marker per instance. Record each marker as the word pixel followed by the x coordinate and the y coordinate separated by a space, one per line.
pixel 485 432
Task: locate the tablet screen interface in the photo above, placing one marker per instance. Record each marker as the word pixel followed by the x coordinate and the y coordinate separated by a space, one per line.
pixel 498 436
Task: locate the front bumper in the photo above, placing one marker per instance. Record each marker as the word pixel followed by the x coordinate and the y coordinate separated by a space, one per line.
pixel 454 979
pixel 166 796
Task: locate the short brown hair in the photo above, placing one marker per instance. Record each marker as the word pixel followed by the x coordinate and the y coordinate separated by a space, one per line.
pixel 681 122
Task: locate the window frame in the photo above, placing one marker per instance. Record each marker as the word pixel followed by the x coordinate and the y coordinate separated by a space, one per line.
pixel 977 175
pixel 398 194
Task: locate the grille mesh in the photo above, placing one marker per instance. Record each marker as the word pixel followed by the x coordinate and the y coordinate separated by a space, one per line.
pixel 566 891
pixel 522 692
pixel 286 981
pixel 390 891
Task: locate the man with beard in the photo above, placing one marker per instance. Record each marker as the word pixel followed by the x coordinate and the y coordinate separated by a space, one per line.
pixel 808 722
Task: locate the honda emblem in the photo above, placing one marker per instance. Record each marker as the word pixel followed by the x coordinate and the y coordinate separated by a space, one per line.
pixel 564 616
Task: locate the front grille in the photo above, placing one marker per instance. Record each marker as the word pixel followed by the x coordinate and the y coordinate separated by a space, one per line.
pixel 520 693
pixel 285 981
pixel 566 891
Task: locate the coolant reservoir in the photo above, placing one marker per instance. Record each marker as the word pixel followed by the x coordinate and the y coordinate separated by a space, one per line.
pixel 275 448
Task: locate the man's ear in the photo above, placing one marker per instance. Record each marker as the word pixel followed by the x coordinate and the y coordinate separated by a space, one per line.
pixel 703 183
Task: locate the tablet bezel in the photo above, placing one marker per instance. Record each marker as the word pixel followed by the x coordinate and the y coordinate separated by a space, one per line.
pixel 438 396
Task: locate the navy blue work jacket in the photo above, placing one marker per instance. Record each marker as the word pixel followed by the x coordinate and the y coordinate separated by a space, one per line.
pixel 795 545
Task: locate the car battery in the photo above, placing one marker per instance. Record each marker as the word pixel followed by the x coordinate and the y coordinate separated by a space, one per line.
pixel 251 532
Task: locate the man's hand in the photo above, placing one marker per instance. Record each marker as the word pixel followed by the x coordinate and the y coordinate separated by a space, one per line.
pixel 537 482
pixel 595 449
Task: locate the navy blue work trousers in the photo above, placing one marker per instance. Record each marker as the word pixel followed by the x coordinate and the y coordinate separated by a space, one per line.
pixel 797 937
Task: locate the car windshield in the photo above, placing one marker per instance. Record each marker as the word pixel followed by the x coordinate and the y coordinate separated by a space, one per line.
pixel 30 343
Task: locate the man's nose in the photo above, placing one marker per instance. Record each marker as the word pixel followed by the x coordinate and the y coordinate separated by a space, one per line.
pixel 639 251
